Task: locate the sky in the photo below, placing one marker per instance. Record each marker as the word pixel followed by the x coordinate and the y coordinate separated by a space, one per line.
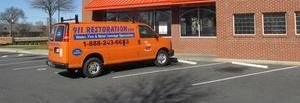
pixel 34 15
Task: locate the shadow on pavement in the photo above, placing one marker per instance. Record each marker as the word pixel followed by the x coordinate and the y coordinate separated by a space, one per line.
pixel 71 75
pixel 116 68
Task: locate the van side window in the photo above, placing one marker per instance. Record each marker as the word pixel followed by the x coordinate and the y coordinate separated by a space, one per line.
pixel 146 32
pixel 59 33
pixel 51 36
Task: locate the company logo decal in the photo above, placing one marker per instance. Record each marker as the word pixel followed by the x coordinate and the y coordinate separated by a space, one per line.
pixel 77 52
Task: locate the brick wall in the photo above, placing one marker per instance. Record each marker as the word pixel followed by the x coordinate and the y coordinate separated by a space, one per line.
pixel 200 46
pixel 86 15
pixel 286 47
pixel 226 45
pixel 5 40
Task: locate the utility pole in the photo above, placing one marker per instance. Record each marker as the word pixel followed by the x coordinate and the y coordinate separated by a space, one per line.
pixel 58 4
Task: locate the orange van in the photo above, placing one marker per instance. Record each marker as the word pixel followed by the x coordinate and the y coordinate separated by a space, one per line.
pixel 89 46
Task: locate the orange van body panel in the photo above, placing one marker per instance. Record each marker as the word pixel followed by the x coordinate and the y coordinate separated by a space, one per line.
pixel 127 47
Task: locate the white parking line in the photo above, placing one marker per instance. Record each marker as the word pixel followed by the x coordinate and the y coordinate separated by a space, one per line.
pixel 13 59
pixel 21 62
pixel 4 56
pixel 31 67
pixel 42 69
pixel 242 76
pixel 187 62
pixel 251 65
pixel 20 55
pixel 158 71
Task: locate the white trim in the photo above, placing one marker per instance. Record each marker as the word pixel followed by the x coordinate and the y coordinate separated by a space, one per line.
pixel 195 37
pixel 275 34
pixel 233 25
pixel 286 25
pixel 200 37
pixel 166 36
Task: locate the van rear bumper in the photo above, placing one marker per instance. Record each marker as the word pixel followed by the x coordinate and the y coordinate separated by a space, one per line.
pixel 57 65
pixel 171 53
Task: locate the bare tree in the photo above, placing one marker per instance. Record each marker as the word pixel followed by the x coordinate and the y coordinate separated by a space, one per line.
pixel 11 16
pixel 52 6
pixel 23 29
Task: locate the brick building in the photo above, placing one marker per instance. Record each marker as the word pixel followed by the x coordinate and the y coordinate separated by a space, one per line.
pixel 240 29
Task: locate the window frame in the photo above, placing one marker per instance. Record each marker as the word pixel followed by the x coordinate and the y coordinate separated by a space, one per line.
pixel 199 34
pixel 152 36
pixel 233 25
pixel 62 35
pixel 171 19
pixel 272 34
pixel 295 18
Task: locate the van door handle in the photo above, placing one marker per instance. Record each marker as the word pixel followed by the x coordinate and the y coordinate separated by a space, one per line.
pixel 139 42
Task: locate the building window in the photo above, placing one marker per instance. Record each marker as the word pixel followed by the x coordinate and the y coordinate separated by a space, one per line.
pixel 244 23
pixel 159 20
pixel 274 23
pixel 198 22
pixel 119 16
pixel 298 22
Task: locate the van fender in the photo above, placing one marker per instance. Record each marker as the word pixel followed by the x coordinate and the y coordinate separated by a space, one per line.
pixel 91 55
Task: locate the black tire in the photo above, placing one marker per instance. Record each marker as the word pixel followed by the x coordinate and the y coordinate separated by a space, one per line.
pixel 93 70
pixel 162 61
pixel 72 71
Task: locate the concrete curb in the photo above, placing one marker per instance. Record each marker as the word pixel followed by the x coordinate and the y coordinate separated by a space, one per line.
pixel 35 52
pixel 226 60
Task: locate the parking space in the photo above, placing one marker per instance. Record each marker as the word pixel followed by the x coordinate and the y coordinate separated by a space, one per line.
pixel 26 78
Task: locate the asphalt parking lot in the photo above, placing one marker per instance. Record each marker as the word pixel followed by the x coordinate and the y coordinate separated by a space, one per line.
pixel 25 78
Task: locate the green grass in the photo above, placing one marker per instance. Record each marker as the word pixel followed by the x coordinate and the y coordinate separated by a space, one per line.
pixel 26 47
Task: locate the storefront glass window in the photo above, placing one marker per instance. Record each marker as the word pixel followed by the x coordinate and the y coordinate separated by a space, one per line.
pixel 118 16
pixel 159 20
pixel 146 17
pixel 197 22
pixel 163 20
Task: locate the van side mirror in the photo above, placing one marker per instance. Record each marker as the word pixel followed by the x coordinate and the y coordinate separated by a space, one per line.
pixel 156 36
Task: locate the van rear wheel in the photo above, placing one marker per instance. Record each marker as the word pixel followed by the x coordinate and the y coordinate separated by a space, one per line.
pixel 162 58
pixel 93 67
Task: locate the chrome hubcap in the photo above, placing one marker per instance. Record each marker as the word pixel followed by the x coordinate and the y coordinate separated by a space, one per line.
pixel 94 68
pixel 162 58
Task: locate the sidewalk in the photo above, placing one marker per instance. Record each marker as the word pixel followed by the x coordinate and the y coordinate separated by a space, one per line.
pixel 182 56
pixel 202 58
pixel 33 51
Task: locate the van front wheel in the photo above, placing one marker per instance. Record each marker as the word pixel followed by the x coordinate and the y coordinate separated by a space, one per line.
pixel 162 58
pixel 93 67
